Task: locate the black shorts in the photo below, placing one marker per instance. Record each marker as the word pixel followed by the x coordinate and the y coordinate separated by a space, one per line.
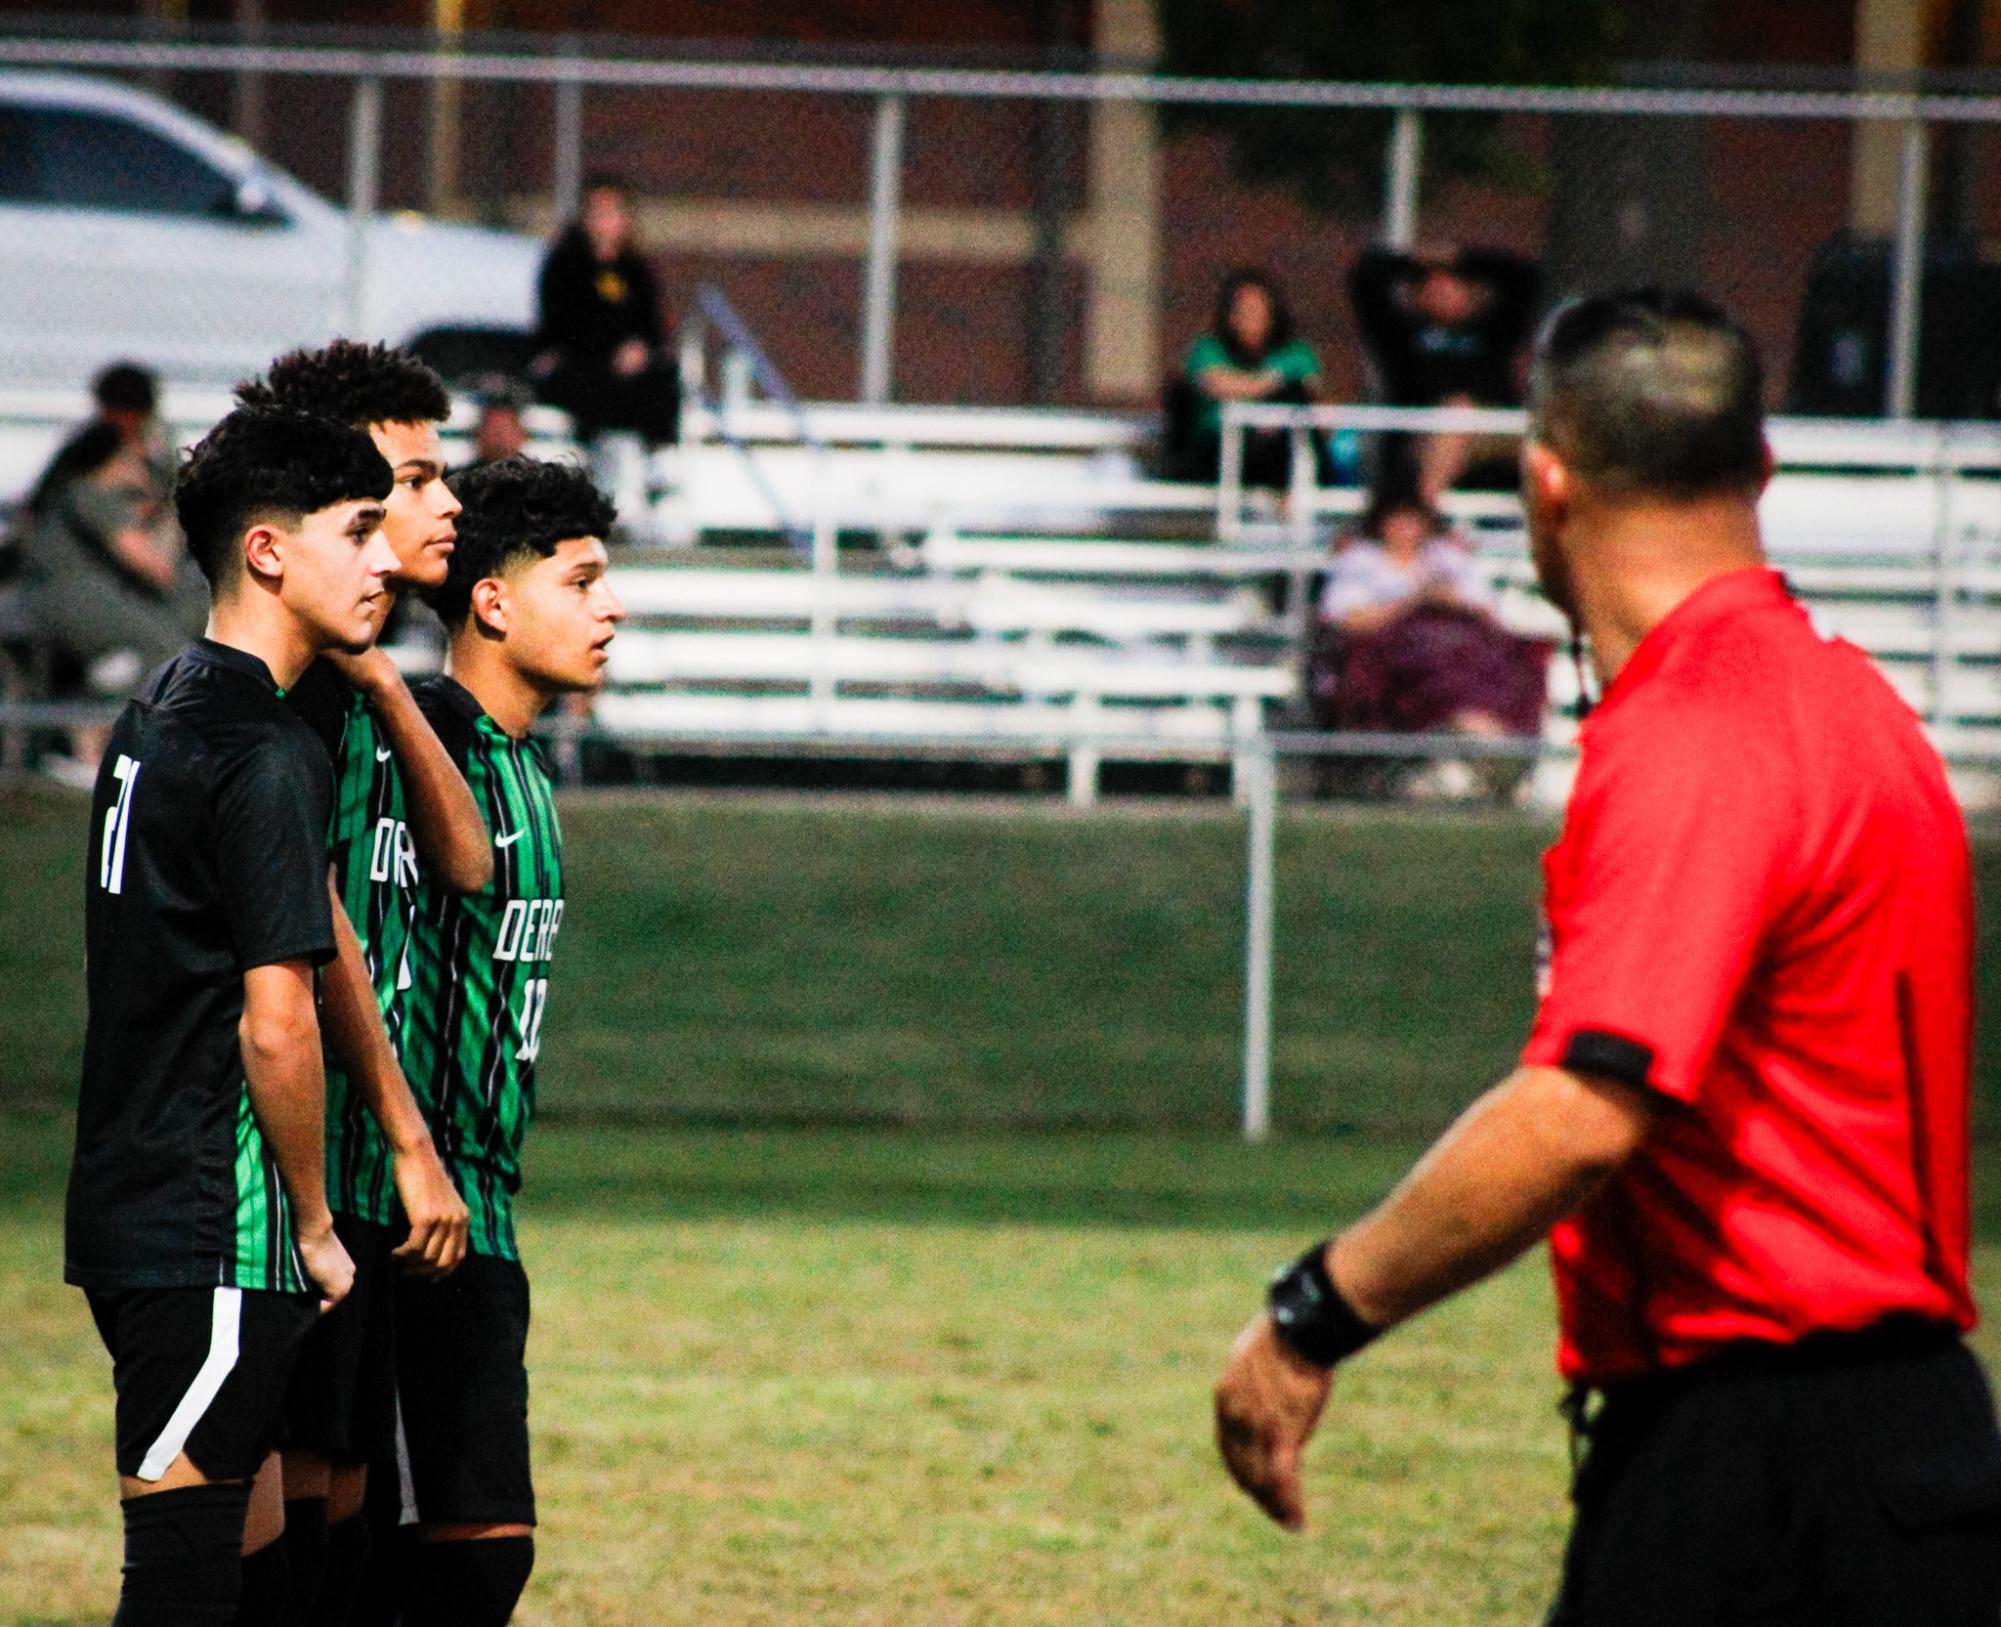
pixel 1853 1480
pixel 462 1393
pixel 201 1371
pixel 342 1402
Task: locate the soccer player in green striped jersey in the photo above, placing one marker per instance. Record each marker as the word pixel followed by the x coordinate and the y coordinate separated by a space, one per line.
pixel 531 616
pixel 397 799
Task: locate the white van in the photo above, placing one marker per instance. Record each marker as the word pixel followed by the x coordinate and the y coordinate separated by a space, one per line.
pixel 132 230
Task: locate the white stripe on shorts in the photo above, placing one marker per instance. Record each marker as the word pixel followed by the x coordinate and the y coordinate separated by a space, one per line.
pixel 406 1483
pixel 225 1325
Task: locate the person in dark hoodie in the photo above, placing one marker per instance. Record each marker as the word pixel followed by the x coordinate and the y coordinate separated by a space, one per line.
pixel 600 351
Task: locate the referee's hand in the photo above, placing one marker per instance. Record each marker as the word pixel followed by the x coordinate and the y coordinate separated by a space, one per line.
pixel 437 1214
pixel 1268 1402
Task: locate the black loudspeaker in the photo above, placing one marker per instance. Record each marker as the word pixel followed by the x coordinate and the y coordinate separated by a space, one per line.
pixel 1841 345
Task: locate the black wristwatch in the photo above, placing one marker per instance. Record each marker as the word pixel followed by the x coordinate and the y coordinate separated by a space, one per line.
pixel 1313 1321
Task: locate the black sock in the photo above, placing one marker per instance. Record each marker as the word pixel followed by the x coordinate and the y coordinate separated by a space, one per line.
pixel 347 1561
pixel 306 1555
pixel 267 1580
pixel 468 1584
pixel 183 1557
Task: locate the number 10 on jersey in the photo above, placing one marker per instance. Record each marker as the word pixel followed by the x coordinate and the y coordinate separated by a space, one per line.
pixel 534 1001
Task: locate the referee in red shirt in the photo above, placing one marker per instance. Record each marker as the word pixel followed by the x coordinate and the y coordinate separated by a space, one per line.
pixel 1741 1118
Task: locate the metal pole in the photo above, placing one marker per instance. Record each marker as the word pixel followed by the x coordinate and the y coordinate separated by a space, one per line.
pixel 1400 188
pixel 566 194
pixel 1942 587
pixel 364 173
pixel 1230 477
pixel 1907 273
pixel 1263 774
pixel 826 562
pixel 879 296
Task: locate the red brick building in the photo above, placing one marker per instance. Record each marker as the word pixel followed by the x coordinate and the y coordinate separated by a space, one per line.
pixel 765 194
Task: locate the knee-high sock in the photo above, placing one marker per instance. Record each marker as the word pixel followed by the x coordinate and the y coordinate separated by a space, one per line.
pixel 306 1555
pixel 468 1584
pixel 183 1557
pixel 348 1543
pixel 267 1582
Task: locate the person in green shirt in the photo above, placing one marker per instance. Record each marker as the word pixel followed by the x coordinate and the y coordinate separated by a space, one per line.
pixel 1252 352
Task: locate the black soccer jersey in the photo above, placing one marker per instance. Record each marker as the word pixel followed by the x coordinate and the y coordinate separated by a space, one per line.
pixel 375 868
pixel 207 858
pixel 481 965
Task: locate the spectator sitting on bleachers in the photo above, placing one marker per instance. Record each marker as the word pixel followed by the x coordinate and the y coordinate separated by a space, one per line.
pixel 601 354
pixel 106 578
pixel 499 432
pixel 1251 352
pixel 1445 328
pixel 1408 642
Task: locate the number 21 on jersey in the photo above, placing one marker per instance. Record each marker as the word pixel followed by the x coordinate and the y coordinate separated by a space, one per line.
pixel 117 822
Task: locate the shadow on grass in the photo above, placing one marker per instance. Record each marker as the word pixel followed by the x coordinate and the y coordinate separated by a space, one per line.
pixel 624 1175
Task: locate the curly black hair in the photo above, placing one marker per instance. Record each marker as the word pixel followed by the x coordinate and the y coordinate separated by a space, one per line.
pixel 263 463
pixel 358 384
pixel 514 509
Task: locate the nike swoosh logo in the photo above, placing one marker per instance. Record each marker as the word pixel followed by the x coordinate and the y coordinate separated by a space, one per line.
pixel 383 756
pixel 509 841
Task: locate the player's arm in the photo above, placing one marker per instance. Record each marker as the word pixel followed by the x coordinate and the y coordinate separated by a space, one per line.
pixel 280 1037
pixel 437 1214
pixel 445 822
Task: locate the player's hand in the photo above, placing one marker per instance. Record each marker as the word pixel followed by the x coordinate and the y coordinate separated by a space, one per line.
pixel 371 671
pixel 326 1263
pixel 438 1217
pixel 1268 1403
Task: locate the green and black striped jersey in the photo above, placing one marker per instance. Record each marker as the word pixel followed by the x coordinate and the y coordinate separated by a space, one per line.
pixel 375 870
pixel 480 964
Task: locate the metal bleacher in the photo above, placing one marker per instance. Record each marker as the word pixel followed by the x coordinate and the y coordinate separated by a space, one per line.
pixel 975 584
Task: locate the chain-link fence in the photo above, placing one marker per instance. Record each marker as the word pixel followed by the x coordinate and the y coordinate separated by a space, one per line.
pixel 958 236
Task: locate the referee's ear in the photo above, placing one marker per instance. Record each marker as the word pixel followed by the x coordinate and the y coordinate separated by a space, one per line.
pixel 1546 484
pixel 1767 464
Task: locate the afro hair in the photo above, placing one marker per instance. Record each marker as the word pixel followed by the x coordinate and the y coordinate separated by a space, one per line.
pixel 355 383
pixel 515 509
pixel 262 463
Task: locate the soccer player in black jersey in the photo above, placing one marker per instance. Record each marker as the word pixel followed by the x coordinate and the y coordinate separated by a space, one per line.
pixel 197 1220
pixel 397 798
pixel 531 616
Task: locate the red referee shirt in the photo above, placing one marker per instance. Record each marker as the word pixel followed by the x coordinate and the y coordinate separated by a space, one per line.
pixel 1760 909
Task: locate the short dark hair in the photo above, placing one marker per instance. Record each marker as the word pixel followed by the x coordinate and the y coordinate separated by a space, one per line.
pixel 355 383
pixel 513 509
pixel 1650 390
pixel 126 387
pixel 265 464
pixel 605 180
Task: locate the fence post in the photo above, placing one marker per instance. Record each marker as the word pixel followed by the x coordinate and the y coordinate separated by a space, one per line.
pixel 364 174
pixel 1400 187
pixel 1230 476
pixel 566 190
pixel 1907 272
pixel 1942 586
pixel 1262 772
pixel 879 295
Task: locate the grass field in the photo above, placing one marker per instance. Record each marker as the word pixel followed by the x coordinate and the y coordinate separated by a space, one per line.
pixel 913 1356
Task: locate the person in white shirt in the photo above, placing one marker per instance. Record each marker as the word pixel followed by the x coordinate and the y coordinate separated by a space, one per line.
pixel 1409 641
